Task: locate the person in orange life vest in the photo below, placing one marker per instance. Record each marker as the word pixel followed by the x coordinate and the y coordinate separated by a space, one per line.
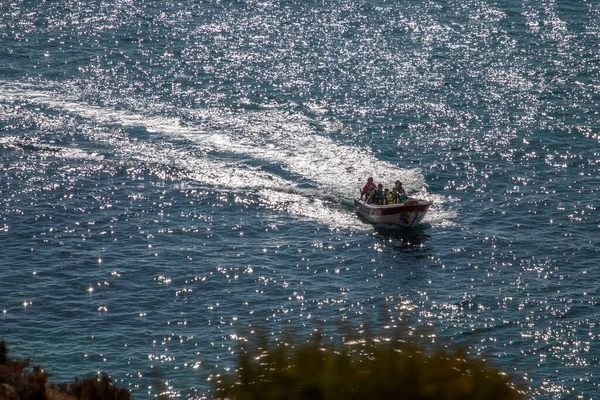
pixel 367 189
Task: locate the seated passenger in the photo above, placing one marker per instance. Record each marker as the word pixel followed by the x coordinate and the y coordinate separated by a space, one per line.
pixel 398 186
pixel 388 197
pixel 400 193
pixel 377 195
pixel 395 194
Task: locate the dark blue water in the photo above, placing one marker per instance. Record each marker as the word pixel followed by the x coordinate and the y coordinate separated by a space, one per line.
pixel 175 177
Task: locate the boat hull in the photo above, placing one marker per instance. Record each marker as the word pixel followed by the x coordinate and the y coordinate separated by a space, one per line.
pixel 406 214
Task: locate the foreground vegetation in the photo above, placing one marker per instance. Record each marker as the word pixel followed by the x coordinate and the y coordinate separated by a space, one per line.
pixel 395 369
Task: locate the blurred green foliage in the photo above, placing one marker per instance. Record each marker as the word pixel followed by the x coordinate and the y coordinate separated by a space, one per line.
pixel 367 369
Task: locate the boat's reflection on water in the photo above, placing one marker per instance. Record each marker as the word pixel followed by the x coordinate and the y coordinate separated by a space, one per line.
pixel 413 240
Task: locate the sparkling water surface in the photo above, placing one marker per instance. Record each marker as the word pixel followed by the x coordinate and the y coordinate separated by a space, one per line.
pixel 177 176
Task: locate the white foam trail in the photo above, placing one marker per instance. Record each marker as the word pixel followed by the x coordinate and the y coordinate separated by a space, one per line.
pixel 202 169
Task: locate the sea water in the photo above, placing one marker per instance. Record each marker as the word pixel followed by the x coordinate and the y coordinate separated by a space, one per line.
pixel 178 176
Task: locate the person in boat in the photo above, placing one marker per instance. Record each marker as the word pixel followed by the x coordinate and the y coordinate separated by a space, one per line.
pixel 388 197
pixel 376 196
pixel 396 195
pixel 368 189
pixel 400 193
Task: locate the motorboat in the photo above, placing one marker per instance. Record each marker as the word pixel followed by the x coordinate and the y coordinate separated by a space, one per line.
pixel 406 214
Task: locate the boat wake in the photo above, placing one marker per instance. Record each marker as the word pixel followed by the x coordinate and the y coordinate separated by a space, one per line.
pixel 274 152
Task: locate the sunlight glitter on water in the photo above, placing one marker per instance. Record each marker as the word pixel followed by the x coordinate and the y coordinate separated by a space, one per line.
pixel 218 138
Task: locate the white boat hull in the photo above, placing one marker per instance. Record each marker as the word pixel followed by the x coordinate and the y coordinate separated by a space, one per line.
pixel 406 214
